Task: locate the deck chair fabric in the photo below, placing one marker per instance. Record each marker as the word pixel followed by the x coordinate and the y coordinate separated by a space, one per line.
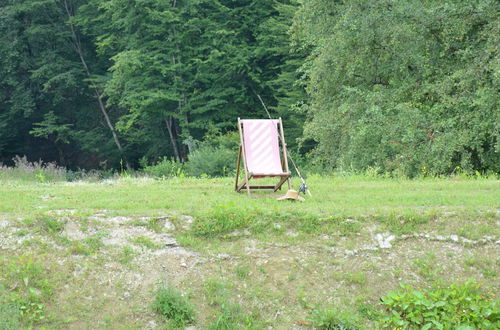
pixel 260 151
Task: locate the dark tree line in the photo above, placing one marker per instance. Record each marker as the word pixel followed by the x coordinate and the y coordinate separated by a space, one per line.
pixel 405 86
pixel 85 82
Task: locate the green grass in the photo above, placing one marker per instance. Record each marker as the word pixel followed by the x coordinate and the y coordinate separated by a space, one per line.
pixel 145 242
pixel 173 306
pixel 126 255
pixel 25 288
pixel 250 262
pixel 331 318
pixel 348 196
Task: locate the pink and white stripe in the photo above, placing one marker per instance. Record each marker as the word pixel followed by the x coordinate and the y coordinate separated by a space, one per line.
pixel 262 152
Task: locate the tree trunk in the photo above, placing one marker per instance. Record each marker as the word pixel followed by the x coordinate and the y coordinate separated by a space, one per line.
pixel 169 122
pixel 78 48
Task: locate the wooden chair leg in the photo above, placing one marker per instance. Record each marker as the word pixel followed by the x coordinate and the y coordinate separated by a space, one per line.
pixel 237 170
pixel 247 184
pixel 280 183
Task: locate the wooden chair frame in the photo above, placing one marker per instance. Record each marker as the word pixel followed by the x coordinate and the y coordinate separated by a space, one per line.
pixel 285 176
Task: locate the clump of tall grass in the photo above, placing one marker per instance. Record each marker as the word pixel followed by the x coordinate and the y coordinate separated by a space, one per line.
pixel 38 171
pixel 173 306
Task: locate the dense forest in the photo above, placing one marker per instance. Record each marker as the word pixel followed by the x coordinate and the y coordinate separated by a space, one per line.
pixel 398 86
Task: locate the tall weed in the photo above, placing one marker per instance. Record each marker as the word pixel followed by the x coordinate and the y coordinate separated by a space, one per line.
pixel 173 306
pixel 38 171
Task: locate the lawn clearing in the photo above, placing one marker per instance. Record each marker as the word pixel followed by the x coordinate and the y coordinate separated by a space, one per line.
pixel 106 248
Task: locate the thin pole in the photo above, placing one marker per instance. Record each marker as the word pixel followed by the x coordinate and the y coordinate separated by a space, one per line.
pixel 288 154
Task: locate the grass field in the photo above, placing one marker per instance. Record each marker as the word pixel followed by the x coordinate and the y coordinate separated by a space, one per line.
pixel 144 253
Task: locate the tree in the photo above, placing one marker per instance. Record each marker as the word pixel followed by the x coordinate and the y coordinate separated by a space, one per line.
pixel 407 86
pixel 44 71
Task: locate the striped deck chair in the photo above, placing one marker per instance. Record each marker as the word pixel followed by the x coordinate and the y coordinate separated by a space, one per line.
pixel 260 150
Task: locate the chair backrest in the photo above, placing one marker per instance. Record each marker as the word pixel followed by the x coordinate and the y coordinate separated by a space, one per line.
pixel 261 145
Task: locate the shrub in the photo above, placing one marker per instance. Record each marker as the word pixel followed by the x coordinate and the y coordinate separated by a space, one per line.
pixel 215 156
pixel 173 306
pixel 439 308
pixel 165 168
pixel 211 161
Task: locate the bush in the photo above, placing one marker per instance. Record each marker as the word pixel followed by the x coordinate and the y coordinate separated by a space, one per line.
pixel 446 307
pixel 211 161
pixel 165 168
pixel 215 156
pixel 173 306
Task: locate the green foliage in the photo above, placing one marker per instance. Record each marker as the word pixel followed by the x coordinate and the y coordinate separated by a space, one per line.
pixel 88 246
pixel 49 127
pixel 457 306
pixel 173 306
pixel 126 255
pixel 50 225
pixel 213 157
pixel 331 318
pixel 166 72
pixel 23 292
pixel 212 162
pixel 165 169
pixel 46 107
pixel 406 223
pixel 408 87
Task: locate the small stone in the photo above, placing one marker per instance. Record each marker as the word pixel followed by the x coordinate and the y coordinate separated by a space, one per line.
pixel 350 252
pixel 223 256
pixel 384 242
pixel 4 224
pixel 187 218
pixel 168 225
